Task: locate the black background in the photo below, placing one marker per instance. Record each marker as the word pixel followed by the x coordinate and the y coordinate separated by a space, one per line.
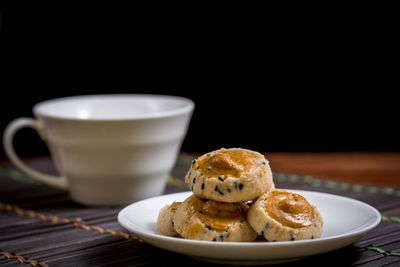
pixel 261 78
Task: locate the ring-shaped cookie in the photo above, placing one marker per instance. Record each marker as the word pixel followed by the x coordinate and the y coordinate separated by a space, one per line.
pixel 209 220
pixel 284 216
pixel 230 175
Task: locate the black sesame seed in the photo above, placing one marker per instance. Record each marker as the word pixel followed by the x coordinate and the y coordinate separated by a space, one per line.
pixel 228 189
pixel 202 186
pixel 172 223
pixel 217 190
pixel 214 239
pixel 273 240
pixel 262 232
pixel 209 168
pixel 219 178
pixel 208 227
pixel 291 233
pixel 221 237
pixel 235 184
pixel 241 186
pixel 194 180
pixel 264 163
pixel 192 187
pixel 266 226
pixel 194 161
pixel 312 237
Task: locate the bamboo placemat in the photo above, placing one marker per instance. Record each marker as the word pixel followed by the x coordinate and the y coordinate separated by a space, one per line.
pixel 41 226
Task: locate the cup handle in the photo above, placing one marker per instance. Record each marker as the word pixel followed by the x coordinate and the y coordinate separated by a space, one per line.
pixel 11 129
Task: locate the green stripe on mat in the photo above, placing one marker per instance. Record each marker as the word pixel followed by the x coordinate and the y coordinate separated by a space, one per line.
pixel 379 250
pixel 17 175
pixel 330 184
pixel 390 219
pixel 308 179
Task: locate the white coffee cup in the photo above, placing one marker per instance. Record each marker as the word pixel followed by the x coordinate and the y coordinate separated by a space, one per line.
pixel 108 149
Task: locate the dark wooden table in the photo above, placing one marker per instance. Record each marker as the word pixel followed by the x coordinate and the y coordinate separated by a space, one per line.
pixel 41 226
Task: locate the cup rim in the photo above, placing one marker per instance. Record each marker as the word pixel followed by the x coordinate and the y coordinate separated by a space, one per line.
pixel 187 108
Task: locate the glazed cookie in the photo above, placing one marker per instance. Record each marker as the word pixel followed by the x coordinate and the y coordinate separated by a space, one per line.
pixel 230 175
pixel 285 216
pixel 210 220
pixel 165 221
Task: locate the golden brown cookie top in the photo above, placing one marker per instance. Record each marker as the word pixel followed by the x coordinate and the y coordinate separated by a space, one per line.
pixel 227 162
pixel 218 215
pixel 174 206
pixel 289 209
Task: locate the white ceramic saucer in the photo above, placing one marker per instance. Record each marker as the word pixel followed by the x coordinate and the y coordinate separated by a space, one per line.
pixel 345 221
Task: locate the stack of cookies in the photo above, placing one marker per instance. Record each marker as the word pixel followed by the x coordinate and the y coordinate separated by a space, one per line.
pixel 234 199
